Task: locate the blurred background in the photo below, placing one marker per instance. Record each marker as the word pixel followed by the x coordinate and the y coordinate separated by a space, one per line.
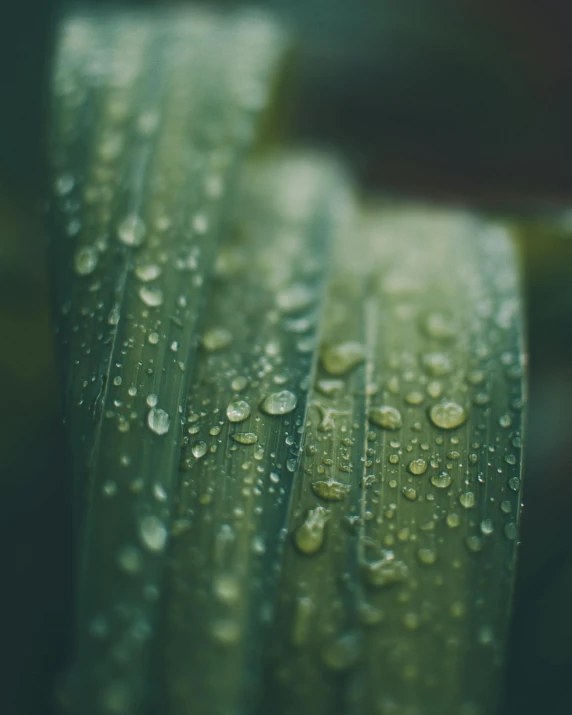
pixel 464 101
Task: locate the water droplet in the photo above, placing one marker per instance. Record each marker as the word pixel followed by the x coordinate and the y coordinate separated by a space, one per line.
pixel 505 420
pixel 427 556
pixel 441 481
pixel 151 296
pixel 64 184
pixel 328 388
pixel 199 449
pixel 385 571
pixel 153 533
pixel 245 437
pixel 331 490
pixel 147 272
pixel 294 299
pixel 239 383
pixel 132 230
pixel 309 537
pixel 417 467
pixel 409 493
pixel 511 530
pixel 226 631
pixel 447 415
pixel 342 653
pixel 437 364
pixel 414 398
pixel 487 527
pixel 453 520
pixel 340 358
pixel 85 260
pixel 386 417
pixel 505 507
pixel 216 339
pixel 467 500
pixel 438 326
pixel 474 543
pixel 279 403
pixel 238 411
pixel 514 484
pixel 129 559
pixel 154 338
pixel 158 421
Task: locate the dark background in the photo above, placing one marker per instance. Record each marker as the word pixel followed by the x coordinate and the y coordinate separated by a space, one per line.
pixel 467 102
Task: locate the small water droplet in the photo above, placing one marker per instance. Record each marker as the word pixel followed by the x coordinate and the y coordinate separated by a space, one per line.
pixel 309 536
pixel 448 415
pixel 331 490
pixel 239 383
pixel 158 421
pixel 427 556
pixel 294 299
pixel 511 530
pixel 132 230
pixel 85 260
pixel 409 493
pixel 129 559
pixel 238 411
pixel 385 571
pixel 279 403
pixel 340 358
pixel 386 417
pixel 453 520
pixel 153 533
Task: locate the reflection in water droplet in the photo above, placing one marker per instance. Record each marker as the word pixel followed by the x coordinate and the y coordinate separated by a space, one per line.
pixel 447 415
pixel 386 417
pixel 279 403
pixel 158 421
pixel 309 537
pixel 340 358
pixel 132 230
pixel 85 260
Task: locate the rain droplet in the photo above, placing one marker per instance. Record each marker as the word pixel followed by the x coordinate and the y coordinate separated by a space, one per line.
pixel 309 537
pixel 447 415
pixel 153 533
pixel 132 230
pixel 151 296
pixel 216 339
pixel 294 299
pixel 331 490
pixel 158 421
pixel 148 272
pixel 340 358
pixel 467 500
pixel 279 403
pixel 427 556
pixel 417 467
pixel 245 437
pixel 386 417
pixel 441 481
pixel 199 449
pixel 238 411
pixel 85 260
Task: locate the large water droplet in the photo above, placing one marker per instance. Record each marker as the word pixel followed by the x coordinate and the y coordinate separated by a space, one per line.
pixel 245 437
pixel 85 260
pixel 199 449
pixel 158 421
pixel 238 411
pixel 153 533
pixel 309 537
pixel 441 481
pixel 147 272
pixel 216 339
pixel 340 358
pixel 448 415
pixel 331 490
pixel 132 230
pixel 279 403
pixel 417 467
pixel 386 417
pixel 151 296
